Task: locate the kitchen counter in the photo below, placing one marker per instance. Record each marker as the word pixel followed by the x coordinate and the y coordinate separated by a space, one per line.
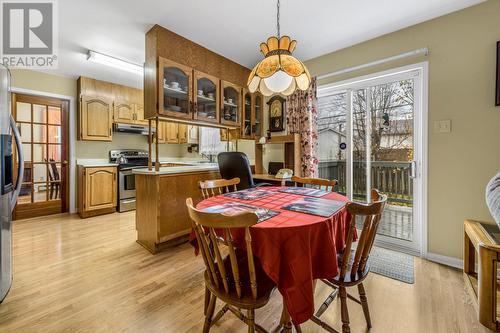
pixel 187 167
pixel 161 216
pixel 95 163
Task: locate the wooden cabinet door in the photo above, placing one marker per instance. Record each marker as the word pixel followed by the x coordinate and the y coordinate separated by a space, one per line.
pixel 247 115
pixel 161 132
pixel 257 115
pixel 183 133
pixel 123 112
pixel 96 118
pixel 139 114
pixel 175 92
pixel 193 137
pixel 206 96
pixel 231 103
pixel 172 130
pixel 100 188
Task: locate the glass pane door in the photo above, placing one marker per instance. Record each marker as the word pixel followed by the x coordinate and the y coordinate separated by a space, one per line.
pixel 391 157
pixel 231 104
pixel 176 98
pixel 40 129
pixel 247 115
pixel 257 126
pixel 380 148
pixel 206 102
pixel 332 142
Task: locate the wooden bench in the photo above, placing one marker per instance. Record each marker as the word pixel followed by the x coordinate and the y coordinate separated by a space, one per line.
pixel 482 284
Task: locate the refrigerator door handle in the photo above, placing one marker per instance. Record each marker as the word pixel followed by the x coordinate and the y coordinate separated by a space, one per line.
pixel 20 164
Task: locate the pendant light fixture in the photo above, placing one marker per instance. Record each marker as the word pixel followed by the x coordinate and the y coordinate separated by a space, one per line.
pixel 279 72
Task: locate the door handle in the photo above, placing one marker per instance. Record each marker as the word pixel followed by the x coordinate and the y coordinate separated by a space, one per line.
pixel 20 164
pixel 413 169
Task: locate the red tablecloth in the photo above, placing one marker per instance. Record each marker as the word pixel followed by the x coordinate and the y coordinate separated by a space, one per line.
pixel 295 248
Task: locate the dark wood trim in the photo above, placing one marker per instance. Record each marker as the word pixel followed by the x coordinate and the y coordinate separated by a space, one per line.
pixel 35 209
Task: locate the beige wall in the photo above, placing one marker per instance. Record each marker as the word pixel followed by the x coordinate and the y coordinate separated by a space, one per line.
pixel 461 88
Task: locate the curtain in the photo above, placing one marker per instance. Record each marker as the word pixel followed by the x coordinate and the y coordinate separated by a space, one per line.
pixel 302 118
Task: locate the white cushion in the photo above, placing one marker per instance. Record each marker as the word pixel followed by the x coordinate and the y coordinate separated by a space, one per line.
pixel 493 197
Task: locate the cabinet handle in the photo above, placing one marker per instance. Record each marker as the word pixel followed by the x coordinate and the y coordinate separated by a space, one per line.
pixel 195 106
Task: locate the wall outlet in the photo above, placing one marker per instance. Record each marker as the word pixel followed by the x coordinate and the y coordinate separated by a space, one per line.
pixel 442 126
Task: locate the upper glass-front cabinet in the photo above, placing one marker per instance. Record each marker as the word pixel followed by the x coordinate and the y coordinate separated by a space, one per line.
pixel 231 102
pixel 247 115
pixel 258 111
pixel 251 125
pixel 175 92
pixel 206 102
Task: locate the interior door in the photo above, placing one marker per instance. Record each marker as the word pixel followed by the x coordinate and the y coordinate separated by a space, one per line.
pixel 43 125
pixel 369 137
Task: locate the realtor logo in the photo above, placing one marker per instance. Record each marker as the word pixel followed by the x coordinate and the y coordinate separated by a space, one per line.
pixel 29 37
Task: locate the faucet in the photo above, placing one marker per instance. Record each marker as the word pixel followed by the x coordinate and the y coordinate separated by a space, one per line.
pixel 210 157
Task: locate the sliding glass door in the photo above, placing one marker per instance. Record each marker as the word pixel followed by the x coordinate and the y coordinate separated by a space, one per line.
pixel 370 137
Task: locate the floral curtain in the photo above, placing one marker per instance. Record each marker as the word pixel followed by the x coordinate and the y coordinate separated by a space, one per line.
pixel 302 118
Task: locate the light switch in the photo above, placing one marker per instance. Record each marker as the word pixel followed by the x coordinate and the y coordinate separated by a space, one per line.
pixel 442 126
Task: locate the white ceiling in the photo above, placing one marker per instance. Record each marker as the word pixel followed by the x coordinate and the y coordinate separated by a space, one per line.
pixel 233 28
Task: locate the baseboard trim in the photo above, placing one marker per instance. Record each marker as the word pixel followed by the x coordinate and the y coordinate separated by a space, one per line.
pixel 444 260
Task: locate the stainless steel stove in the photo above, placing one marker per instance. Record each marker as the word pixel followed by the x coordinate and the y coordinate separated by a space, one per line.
pixel 127 159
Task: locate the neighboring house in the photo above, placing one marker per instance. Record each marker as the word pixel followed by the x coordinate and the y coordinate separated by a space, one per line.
pixel 328 145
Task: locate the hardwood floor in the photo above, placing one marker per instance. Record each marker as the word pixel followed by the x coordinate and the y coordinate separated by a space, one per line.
pixel 74 275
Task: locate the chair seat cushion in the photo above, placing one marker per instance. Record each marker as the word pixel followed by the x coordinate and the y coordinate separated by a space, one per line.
pixel 265 285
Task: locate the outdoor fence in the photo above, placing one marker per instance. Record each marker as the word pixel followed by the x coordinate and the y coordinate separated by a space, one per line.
pixel 391 178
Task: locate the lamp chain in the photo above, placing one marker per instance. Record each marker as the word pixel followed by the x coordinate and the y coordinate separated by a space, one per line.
pixel 278 19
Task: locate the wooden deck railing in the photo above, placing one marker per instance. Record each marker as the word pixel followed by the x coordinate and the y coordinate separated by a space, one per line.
pixel 392 178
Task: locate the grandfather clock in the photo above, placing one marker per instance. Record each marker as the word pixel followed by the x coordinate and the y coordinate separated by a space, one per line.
pixel 276 113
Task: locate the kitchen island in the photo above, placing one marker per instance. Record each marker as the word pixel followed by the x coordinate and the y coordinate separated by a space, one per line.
pixel 161 216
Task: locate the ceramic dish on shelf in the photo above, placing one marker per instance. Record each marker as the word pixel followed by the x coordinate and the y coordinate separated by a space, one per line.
pixel 174 108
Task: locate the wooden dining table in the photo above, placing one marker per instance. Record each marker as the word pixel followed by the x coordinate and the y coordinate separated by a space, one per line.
pixel 294 248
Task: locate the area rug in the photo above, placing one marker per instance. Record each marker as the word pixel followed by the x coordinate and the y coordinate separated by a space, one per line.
pixel 394 265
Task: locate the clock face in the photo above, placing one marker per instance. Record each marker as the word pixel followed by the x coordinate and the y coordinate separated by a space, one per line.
pixel 276 109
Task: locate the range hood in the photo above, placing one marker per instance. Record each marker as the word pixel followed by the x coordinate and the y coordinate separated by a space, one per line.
pixel 134 129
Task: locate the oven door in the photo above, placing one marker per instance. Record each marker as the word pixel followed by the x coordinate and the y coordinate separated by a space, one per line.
pixel 126 184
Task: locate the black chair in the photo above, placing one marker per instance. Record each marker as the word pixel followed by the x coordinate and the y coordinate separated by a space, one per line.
pixel 235 164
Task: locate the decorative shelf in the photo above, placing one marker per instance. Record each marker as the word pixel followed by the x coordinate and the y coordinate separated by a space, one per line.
pixel 204 99
pixel 175 93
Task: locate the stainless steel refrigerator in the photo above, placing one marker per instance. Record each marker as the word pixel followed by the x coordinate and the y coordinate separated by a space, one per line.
pixel 8 190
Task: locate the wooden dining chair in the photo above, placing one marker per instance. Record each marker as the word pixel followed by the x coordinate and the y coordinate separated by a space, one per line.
pixel 236 279
pixel 318 183
pixel 211 188
pixel 353 263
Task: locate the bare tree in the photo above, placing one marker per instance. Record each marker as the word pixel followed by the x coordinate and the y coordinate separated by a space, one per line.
pixel 391 118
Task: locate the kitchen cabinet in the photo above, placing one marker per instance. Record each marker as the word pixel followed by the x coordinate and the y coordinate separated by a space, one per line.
pixel 207 100
pixel 185 81
pixel 193 134
pixel 161 215
pixel 251 123
pixel 258 115
pixel 172 132
pixel 123 112
pixel 95 118
pixel 233 134
pixel 100 100
pixel 175 95
pixel 183 133
pixel 139 114
pixel 97 190
pixel 128 113
pixel 230 104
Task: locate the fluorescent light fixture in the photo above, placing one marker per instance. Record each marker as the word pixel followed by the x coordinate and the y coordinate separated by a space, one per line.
pixel 115 62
